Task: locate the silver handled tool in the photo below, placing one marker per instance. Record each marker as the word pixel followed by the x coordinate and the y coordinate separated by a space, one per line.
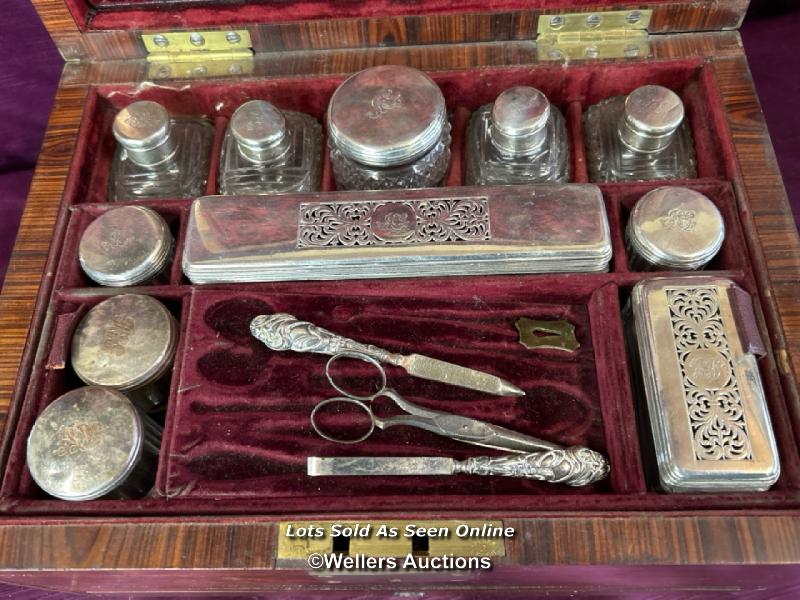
pixel 282 331
pixel 571 466
pixel 462 429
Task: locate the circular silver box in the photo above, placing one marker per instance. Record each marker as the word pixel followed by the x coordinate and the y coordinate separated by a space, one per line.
pixel 650 117
pixel 388 127
pixel 673 228
pixel 126 246
pixel 143 129
pixel 519 120
pixel 92 443
pixel 128 343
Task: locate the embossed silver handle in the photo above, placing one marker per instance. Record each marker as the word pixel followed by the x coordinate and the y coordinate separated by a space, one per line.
pixel 575 466
pixel 283 331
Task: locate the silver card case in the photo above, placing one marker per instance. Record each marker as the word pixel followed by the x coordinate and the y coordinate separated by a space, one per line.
pixel 697 344
pixel 398 233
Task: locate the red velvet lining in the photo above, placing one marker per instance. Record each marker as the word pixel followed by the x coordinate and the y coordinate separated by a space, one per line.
pixel 250 406
pixel 173 14
pixel 572 91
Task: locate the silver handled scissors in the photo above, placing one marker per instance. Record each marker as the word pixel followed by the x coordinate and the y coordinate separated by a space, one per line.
pixel 463 429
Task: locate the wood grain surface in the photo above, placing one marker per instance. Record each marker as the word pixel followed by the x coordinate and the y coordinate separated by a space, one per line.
pixel 413 29
pixel 237 554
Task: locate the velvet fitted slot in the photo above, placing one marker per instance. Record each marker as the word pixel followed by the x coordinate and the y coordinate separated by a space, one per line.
pixel 572 91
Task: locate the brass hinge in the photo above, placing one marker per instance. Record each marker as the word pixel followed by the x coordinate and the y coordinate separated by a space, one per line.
pixel 187 54
pixel 594 35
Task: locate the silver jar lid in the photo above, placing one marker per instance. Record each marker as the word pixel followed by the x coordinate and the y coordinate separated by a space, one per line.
pixel 125 246
pixel 651 115
pixel 676 228
pixel 85 444
pixel 386 116
pixel 519 120
pixel 259 130
pixel 124 342
pixel 143 129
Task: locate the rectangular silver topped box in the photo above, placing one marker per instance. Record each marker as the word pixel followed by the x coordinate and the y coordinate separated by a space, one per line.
pixel 697 342
pixel 397 233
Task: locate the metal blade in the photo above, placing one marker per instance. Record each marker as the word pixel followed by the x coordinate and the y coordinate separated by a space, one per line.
pixel 379 465
pixel 439 370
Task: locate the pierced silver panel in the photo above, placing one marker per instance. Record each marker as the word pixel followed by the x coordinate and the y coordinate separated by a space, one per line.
pixel 710 389
pixel 394 222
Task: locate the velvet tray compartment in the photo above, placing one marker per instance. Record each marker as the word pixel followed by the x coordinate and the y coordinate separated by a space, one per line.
pixel 236 430
pixel 572 91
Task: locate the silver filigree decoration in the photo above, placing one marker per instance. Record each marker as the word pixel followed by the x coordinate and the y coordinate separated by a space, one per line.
pixel 574 466
pixel 393 222
pixel 710 389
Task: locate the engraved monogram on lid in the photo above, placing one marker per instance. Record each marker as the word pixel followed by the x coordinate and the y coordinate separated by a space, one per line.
pixel 260 131
pixel 651 115
pixel 86 443
pixel 674 228
pixel 408 104
pixel 125 342
pixel 143 129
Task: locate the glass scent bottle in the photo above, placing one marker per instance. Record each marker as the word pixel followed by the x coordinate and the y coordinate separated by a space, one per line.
pixel 520 138
pixel 388 128
pixel 268 151
pixel 159 156
pixel 641 137
pixel 675 229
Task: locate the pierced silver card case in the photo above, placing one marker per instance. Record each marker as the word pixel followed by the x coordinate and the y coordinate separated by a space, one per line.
pixel 697 346
pixel 398 233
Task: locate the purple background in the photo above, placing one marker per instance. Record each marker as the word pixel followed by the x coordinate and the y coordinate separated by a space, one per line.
pixel 30 68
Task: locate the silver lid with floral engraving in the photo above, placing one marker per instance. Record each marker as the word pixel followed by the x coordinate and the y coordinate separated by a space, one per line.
pixel 143 129
pixel 85 444
pixel 386 116
pixel 519 120
pixel 125 246
pixel 125 342
pixel 674 228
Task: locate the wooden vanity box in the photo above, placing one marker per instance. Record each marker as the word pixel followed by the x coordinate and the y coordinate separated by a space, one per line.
pixel 231 472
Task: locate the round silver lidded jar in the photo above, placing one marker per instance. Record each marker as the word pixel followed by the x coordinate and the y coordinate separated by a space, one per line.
pixel 143 129
pixel 519 121
pixel 673 228
pixel 93 443
pixel 650 117
pixel 129 245
pixel 128 343
pixel 260 131
pixel 388 128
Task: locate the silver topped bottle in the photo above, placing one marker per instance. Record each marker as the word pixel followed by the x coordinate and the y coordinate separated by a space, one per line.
pixel 640 137
pixel 267 151
pixel 93 443
pixel 129 245
pixel 128 343
pixel 519 138
pixel 673 228
pixel 388 128
pixel 159 156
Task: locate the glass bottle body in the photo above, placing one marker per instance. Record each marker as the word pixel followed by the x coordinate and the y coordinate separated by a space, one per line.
pixel 296 169
pixel 611 160
pixel 184 175
pixel 486 164
pixel 427 171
